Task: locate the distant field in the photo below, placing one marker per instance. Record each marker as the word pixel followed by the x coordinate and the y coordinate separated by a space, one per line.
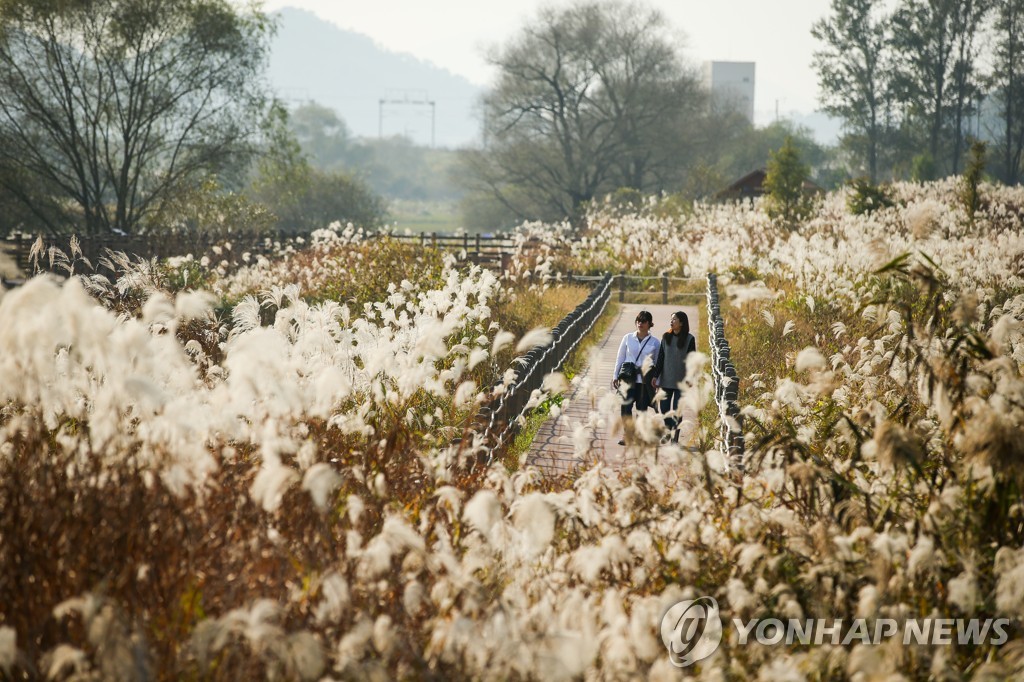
pixel 424 216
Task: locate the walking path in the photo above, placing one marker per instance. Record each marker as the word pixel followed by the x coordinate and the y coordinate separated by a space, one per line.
pixel 589 426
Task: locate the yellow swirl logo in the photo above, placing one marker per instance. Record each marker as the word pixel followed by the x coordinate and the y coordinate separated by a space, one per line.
pixel 691 630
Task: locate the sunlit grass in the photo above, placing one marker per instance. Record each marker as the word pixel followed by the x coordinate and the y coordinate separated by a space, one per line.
pixel 419 217
pixel 574 365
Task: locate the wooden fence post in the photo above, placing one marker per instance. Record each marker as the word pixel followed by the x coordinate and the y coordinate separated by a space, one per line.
pixel 622 287
pixel 664 289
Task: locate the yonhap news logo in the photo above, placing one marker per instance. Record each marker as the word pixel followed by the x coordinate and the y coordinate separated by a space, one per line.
pixel 692 630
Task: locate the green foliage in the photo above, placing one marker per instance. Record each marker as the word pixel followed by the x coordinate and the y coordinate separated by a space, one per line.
pixel 936 52
pixel 1008 87
pixel 183 274
pixel 922 168
pixel 484 212
pixel 304 198
pixel 322 135
pixel 755 148
pixel 733 148
pixel 854 75
pixel 675 205
pixel 365 272
pixel 905 78
pixel 626 201
pixel 787 199
pixel 211 212
pixel 393 167
pixel 397 168
pixel 339 197
pixel 425 216
pixel 972 177
pixel 630 202
pixel 704 179
pixel 866 198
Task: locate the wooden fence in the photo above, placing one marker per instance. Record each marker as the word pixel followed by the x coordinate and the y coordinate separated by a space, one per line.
pixel 727 383
pixel 20 245
pixel 638 286
pixel 502 416
pixel 491 250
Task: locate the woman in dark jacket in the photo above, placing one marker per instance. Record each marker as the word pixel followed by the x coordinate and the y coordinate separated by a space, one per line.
pixel 670 368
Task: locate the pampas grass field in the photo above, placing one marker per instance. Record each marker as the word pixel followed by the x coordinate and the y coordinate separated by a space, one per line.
pixel 232 468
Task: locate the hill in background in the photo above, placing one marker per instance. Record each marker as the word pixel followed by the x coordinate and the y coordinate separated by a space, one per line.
pixel 312 59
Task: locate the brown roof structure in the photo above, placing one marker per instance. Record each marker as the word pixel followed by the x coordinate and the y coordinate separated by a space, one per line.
pixel 752 185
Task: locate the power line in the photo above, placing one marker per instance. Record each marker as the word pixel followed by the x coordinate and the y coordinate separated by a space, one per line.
pixel 414 98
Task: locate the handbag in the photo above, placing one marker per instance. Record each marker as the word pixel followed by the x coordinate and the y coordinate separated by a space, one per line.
pixel 629 371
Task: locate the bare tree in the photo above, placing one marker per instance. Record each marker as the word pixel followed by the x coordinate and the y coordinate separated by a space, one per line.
pixel 588 99
pixel 649 93
pixel 111 106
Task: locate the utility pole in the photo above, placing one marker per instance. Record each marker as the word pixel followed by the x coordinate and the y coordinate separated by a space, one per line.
pixel 413 98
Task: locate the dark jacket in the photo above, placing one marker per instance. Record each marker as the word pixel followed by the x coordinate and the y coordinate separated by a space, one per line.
pixel 666 340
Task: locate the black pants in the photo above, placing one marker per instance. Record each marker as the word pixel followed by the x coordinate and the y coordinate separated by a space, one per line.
pixel 638 394
pixel 670 403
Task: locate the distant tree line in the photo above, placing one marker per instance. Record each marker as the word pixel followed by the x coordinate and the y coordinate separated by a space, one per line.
pixel 717 147
pixel 137 116
pixel 393 166
pixel 916 81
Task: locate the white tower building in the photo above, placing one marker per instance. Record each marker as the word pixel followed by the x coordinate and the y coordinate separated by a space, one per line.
pixel 731 85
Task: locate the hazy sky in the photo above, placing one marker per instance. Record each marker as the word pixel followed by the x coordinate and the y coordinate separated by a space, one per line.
pixel 455 33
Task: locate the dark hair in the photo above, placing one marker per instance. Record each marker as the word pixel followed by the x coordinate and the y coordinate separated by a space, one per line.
pixel 644 316
pixel 683 333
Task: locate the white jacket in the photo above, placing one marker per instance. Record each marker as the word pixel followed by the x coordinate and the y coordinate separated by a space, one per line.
pixel 630 351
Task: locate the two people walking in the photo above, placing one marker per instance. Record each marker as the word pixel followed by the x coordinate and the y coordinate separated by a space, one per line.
pixel 645 364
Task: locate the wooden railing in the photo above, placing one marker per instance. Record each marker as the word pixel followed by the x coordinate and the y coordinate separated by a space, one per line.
pixel 727 383
pixel 500 418
pixel 627 284
pixel 484 249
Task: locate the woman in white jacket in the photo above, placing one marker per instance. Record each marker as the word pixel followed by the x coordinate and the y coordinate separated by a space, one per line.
pixel 638 349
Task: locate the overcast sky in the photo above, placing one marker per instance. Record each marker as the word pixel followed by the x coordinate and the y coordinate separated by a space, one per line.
pixel 455 33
